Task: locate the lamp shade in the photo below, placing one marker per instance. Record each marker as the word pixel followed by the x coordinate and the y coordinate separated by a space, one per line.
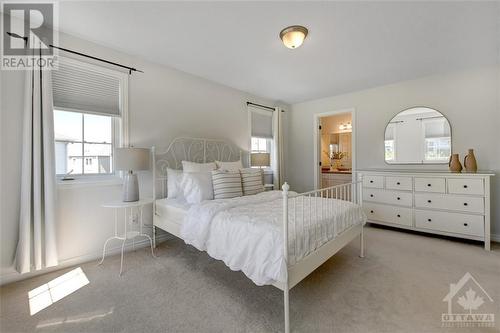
pixel 260 159
pixel 132 159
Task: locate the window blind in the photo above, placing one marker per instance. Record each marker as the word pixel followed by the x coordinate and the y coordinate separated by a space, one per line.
pixel 262 123
pixel 436 128
pixel 85 88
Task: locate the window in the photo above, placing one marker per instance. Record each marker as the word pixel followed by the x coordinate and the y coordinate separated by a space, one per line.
pixel 84 143
pixel 437 139
pixel 261 131
pixel 437 149
pixel 389 150
pixel 89 117
pixel 261 145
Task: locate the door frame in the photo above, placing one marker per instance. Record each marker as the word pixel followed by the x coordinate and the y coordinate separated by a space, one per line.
pixel 317 142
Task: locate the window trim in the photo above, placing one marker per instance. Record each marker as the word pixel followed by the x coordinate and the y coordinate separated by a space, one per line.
pixel 119 126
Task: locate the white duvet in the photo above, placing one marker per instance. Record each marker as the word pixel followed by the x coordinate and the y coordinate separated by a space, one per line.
pixel 247 232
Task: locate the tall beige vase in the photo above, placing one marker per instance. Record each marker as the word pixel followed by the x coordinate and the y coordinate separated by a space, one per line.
pixel 454 163
pixel 470 163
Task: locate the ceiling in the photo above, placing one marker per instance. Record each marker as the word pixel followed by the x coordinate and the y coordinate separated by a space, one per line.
pixel 351 45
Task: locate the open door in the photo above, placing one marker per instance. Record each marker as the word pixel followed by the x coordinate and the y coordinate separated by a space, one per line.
pixel 334 148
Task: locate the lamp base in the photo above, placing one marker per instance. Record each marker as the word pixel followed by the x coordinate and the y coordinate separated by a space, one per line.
pixel 130 188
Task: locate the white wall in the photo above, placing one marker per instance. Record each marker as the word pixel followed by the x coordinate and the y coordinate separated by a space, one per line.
pixel 469 99
pixel 164 103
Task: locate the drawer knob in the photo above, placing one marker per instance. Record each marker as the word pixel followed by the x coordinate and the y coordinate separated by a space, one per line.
pixel 399 198
pixel 429 185
pixel 466 224
pixel 399 215
pixel 465 204
pixel 429 220
pixel 398 183
pixel 465 186
pixel 429 201
pixel 371 181
pixel 371 195
pixel 371 211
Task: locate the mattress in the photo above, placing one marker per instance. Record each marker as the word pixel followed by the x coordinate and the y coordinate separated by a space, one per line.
pixel 173 210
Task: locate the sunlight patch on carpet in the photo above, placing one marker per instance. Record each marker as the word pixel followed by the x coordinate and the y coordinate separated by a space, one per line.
pixel 55 290
pixel 84 318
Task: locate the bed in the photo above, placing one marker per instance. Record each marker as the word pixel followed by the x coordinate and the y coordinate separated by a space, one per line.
pixel 275 237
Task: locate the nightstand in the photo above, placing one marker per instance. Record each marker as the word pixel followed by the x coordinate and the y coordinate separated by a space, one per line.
pixel 129 207
pixel 268 187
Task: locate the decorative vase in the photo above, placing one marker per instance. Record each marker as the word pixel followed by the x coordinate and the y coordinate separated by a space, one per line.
pixel 470 163
pixel 454 163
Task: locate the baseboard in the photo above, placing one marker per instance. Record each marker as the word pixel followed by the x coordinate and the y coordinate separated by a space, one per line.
pixel 495 237
pixel 13 276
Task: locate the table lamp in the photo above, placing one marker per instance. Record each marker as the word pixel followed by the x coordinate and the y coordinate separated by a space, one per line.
pixel 130 160
pixel 260 159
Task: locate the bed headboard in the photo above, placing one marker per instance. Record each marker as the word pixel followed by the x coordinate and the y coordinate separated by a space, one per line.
pixel 189 149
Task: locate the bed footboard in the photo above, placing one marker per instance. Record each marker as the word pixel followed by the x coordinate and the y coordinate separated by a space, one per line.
pixel 311 223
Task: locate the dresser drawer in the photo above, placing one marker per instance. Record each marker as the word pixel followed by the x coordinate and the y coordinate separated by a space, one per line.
pixel 398 183
pixel 373 181
pixel 465 224
pixel 437 185
pixel 466 186
pixel 390 214
pixel 388 197
pixel 449 202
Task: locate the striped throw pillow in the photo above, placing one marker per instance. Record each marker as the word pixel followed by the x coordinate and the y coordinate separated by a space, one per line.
pixel 252 180
pixel 227 184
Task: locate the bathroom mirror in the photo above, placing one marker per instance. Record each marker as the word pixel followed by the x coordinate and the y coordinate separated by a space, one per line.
pixel 419 135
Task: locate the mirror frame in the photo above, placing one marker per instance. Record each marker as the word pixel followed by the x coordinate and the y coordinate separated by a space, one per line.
pixel 421 163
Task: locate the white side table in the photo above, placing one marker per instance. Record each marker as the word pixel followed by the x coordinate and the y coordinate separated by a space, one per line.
pixel 132 234
pixel 268 187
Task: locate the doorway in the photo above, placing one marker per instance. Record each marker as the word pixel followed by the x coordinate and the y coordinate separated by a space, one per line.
pixel 334 148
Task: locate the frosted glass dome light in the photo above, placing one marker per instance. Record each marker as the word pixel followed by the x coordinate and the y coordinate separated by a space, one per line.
pixel 293 36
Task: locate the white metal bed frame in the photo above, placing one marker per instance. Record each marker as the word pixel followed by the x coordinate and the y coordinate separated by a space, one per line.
pixel 208 150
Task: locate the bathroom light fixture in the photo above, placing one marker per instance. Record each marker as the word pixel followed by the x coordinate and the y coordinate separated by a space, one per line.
pixel 345 127
pixel 293 36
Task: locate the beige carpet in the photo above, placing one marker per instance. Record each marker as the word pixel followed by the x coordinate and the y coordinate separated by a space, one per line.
pixel 398 287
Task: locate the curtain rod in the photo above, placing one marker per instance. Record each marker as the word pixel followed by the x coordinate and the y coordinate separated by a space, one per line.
pixel 429 117
pixel 260 105
pixel 130 69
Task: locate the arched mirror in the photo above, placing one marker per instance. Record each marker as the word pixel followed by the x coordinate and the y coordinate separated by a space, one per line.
pixel 419 135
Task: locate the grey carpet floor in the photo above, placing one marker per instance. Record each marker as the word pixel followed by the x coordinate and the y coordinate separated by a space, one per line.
pixel 398 287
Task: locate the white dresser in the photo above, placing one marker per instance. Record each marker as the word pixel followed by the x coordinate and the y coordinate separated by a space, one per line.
pixel 445 203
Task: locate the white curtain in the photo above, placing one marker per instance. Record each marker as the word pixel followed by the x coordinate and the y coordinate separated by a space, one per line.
pixel 277 160
pixel 36 247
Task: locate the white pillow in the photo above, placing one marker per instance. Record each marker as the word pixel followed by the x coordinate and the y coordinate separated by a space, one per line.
pixel 188 166
pixel 174 178
pixel 197 186
pixel 229 166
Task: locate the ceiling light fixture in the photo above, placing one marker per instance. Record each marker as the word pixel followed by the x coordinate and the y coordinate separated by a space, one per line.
pixel 293 36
